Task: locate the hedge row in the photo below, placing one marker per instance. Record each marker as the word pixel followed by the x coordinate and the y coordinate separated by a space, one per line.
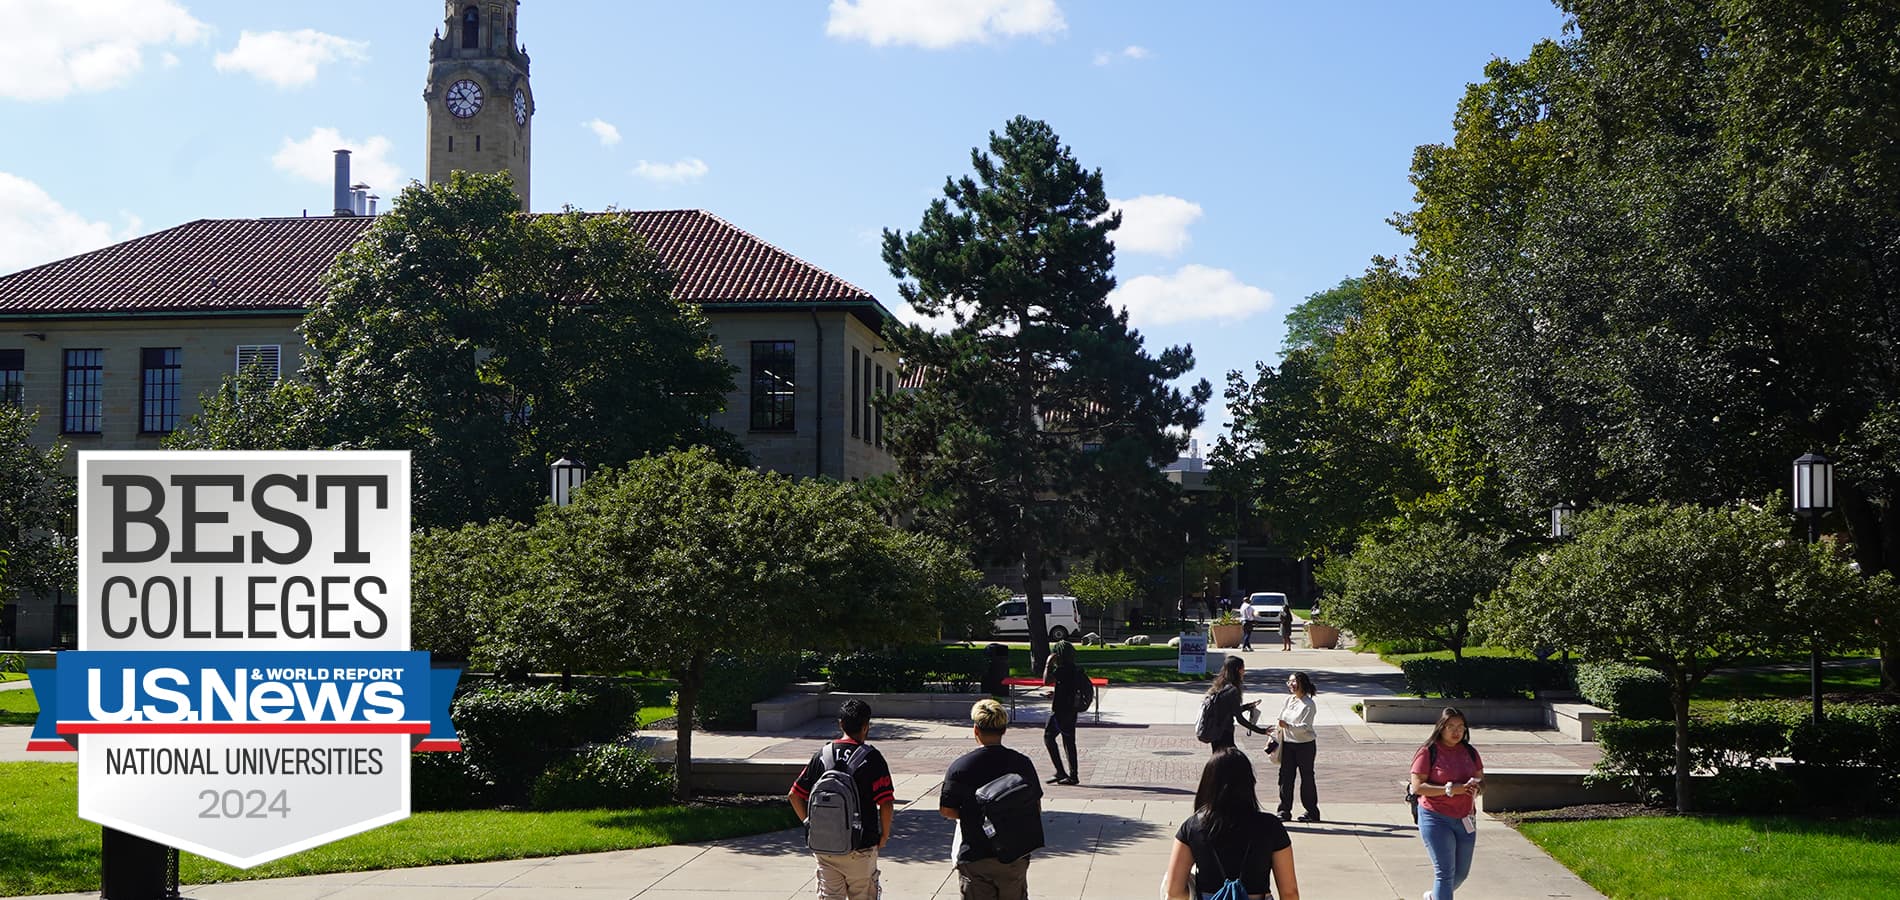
pixel 735 682
pixel 1850 760
pixel 513 735
pixel 1630 691
pixel 1483 676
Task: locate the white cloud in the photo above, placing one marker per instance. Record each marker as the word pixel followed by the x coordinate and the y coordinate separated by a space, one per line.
pixel 287 59
pixel 57 47
pixel 314 159
pixel 168 60
pixel 689 169
pixel 936 24
pixel 910 316
pixel 608 134
pixel 35 228
pixel 1154 223
pixel 1192 293
pixel 1132 51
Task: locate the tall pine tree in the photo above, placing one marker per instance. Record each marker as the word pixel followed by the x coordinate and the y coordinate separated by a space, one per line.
pixel 1037 425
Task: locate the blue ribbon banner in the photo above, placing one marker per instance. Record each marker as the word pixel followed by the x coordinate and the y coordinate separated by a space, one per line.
pixel 244 692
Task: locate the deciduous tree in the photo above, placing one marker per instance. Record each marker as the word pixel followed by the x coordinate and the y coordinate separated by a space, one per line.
pixel 1419 583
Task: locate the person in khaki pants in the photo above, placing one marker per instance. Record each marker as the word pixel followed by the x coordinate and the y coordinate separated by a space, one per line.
pixel 980 874
pixel 852 876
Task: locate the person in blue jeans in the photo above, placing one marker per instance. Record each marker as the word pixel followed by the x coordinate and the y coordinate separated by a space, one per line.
pixel 1447 776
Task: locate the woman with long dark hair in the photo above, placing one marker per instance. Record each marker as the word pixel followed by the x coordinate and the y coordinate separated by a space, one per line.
pixel 1298 745
pixel 1224 707
pixel 1060 673
pixel 1447 773
pixel 1229 837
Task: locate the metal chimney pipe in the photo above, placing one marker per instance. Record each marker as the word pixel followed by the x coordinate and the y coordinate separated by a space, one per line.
pixel 358 201
pixel 372 203
pixel 342 193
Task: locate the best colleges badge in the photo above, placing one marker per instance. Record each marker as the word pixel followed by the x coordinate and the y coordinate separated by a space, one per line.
pixel 244 687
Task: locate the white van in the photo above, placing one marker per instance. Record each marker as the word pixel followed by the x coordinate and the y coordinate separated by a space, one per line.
pixel 1059 614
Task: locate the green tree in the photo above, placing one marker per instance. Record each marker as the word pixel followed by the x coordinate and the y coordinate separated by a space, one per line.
pixel 489 343
pixel 1041 422
pixel 1689 589
pixel 1323 316
pixel 36 511
pixel 1098 592
pixel 1420 583
pixel 679 557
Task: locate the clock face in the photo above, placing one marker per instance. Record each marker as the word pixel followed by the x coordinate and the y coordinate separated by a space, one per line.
pixel 464 98
pixel 521 107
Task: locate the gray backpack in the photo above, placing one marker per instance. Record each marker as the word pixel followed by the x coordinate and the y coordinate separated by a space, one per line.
pixel 834 821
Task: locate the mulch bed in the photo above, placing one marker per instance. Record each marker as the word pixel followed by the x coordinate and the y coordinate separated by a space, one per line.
pixel 1585 812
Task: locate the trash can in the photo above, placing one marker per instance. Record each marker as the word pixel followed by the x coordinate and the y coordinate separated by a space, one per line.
pixel 995 668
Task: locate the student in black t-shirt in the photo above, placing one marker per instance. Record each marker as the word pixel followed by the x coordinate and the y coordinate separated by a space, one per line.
pixel 1061 675
pixel 1229 837
pixel 979 873
pixel 852 876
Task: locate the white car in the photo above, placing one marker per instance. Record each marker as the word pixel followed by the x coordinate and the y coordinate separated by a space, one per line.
pixel 1059 614
pixel 1269 607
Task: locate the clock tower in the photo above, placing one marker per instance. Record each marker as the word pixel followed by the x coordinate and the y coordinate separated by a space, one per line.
pixel 480 107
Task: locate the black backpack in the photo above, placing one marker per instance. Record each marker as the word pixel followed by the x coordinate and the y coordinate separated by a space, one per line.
pixel 1084 691
pixel 1012 816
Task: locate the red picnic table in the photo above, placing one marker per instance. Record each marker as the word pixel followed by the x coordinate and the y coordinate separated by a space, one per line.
pixel 1023 681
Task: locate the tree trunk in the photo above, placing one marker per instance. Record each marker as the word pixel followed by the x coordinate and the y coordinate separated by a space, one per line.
pixel 683 727
pixel 1032 588
pixel 1679 698
pixel 1876 549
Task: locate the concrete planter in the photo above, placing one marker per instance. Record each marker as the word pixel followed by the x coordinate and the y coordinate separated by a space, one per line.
pixel 1224 635
pixel 1478 712
pixel 789 711
pixel 1321 636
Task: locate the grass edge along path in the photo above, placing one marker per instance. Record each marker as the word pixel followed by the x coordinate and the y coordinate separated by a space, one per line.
pixel 18 707
pixel 49 849
pixel 1710 857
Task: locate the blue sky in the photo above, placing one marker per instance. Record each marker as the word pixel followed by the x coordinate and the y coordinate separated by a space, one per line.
pixel 1260 145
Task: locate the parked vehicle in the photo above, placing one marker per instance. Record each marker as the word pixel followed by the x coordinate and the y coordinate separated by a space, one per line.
pixel 1060 615
pixel 1269 606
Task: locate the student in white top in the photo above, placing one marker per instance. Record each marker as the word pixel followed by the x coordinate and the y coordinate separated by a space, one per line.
pixel 1248 616
pixel 1297 746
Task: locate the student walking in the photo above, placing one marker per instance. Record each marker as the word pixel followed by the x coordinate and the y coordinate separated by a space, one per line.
pixel 1061 674
pixel 1229 838
pixel 1222 708
pixel 1298 745
pixel 1248 618
pixel 844 798
pixel 1447 773
pixel 982 775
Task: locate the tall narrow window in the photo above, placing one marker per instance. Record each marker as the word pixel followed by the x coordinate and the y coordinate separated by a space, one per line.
pixel 877 411
pixel 80 412
pixel 158 389
pixel 471 29
pixel 864 399
pixel 773 363
pixel 890 387
pixel 856 385
pixel 13 377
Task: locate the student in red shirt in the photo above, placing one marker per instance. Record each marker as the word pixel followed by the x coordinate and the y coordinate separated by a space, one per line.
pixel 853 875
pixel 1447 773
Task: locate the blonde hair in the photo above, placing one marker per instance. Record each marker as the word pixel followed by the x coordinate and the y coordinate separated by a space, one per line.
pixel 989 715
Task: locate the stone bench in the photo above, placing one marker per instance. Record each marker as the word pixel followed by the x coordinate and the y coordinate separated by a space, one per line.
pixel 1520 790
pixel 1425 710
pixel 789 711
pixel 1576 719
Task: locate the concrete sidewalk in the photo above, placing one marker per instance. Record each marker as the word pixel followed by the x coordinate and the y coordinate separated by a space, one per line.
pixel 1109 837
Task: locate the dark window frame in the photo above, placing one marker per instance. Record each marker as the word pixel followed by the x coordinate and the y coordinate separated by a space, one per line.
pixel 856 385
pixel 471 28
pixel 13 378
pixel 864 398
pixel 877 410
pixel 161 371
pixel 774 400
pixel 83 370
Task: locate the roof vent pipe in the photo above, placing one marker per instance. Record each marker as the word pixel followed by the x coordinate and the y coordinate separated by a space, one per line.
pixel 372 203
pixel 359 199
pixel 342 193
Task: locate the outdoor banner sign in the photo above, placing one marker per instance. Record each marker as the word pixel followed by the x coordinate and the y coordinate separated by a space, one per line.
pixel 1192 659
pixel 244 687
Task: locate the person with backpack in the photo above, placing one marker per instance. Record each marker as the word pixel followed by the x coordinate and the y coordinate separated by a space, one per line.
pixel 844 797
pixel 1447 773
pixel 1067 683
pixel 992 795
pixel 1229 849
pixel 1222 708
pixel 1298 746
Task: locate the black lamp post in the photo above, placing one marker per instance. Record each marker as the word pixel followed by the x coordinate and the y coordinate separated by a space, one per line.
pixel 565 475
pixel 1813 497
pixel 1560 519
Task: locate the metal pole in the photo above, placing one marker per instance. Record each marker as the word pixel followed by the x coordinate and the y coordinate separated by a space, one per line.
pixel 1814 651
pixel 130 868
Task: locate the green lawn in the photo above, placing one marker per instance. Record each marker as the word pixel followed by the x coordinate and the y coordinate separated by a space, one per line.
pixel 18 707
pixel 1141 674
pixel 1759 685
pixel 49 849
pixel 656 700
pixel 12 676
pixel 1397 658
pixel 1723 858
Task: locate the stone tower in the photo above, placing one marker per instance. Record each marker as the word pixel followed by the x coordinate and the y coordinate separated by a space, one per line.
pixel 481 110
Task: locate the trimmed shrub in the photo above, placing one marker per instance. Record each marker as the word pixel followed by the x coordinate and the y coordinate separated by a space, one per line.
pixel 607 776
pixel 444 781
pixel 905 669
pixel 512 732
pixel 1482 676
pixel 1640 754
pixel 1854 737
pixel 1630 691
pixel 735 682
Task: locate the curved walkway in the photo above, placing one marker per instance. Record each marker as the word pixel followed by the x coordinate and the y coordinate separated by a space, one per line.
pixel 1109 837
